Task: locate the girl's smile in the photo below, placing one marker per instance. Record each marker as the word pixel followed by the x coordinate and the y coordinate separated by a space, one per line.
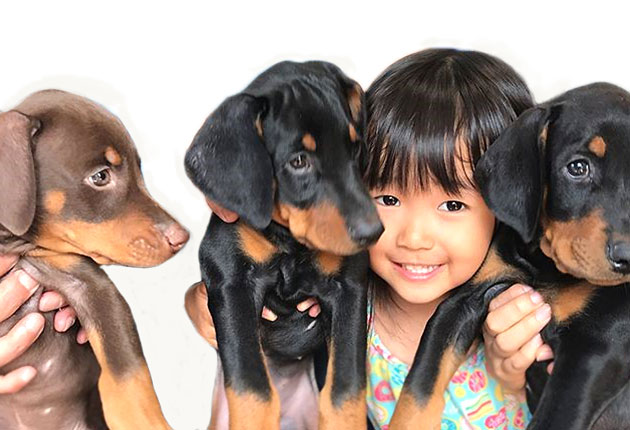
pixel 433 241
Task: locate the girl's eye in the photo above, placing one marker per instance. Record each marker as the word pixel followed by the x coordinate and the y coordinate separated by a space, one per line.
pixel 101 178
pixel 387 200
pixel 452 206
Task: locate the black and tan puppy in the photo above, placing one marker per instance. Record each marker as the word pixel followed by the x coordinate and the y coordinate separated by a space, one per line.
pixel 557 180
pixel 73 198
pixel 282 154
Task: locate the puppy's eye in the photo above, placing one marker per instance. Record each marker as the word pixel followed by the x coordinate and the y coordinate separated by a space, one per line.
pixel 578 169
pixel 101 178
pixel 300 162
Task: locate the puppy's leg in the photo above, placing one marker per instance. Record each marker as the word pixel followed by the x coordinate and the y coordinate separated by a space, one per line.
pixel 125 386
pixel 252 400
pixel 447 338
pixel 342 403
pixel 591 366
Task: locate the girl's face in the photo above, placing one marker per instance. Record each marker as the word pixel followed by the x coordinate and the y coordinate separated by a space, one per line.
pixel 433 241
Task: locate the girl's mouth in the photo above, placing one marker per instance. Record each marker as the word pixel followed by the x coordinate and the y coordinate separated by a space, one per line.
pixel 418 272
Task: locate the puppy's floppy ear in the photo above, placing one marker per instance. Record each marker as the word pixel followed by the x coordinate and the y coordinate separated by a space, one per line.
pixel 18 192
pixel 354 96
pixel 512 174
pixel 228 160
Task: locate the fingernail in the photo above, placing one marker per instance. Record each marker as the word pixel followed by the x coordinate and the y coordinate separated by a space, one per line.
pixel 269 315
pixel 69 323
pixel 536 297
pixel 538 342
pixel 82 337
pixel 27 374
pixel 27 282
pixel 527 288
pixel 302 306
pixel 32 323
pixel 544 355
pixel 544 313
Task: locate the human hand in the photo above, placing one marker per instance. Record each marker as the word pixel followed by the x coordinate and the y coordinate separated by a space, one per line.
pixel 15 289
pixel 196 304
pixel 512 338
pixel 65 316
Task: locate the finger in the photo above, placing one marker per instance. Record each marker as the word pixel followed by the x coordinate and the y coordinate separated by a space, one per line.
pixel 544 353
pixel 14 381
pixel 225 214
pixel 21 336
pixel 509 294
pixel 550 367
pixel 524 357
pixel 304 305
pixel 196 304
pixel 64 319
pixel 15 289
pixel 512 312
pixel 7 262
pixel 314 311
pixel 82 336
pixel 512 339
pixel 268 314
pixel 50 301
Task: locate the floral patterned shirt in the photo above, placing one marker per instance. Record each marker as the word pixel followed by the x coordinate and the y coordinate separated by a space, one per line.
pixel 474 400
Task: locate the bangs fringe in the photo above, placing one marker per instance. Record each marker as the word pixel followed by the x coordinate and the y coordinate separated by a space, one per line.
pixel 433 114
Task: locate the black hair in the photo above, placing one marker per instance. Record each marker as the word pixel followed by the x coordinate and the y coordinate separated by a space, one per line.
pixel 423 104
pixel 430 110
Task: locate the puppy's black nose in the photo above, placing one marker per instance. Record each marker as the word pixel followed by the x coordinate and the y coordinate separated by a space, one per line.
pixel 366 232
pixel 619 256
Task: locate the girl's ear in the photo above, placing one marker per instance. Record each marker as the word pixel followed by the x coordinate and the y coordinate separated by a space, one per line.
pixel 512 174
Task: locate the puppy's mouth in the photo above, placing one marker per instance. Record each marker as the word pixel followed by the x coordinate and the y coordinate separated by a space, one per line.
pixel 578 257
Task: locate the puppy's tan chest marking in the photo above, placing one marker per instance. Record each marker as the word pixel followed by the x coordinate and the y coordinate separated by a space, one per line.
pixel 328 263
pixel 255 245
pixel 567 302
pixel 493 268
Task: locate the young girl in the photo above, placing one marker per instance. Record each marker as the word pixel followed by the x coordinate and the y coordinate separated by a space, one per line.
pixel 431 115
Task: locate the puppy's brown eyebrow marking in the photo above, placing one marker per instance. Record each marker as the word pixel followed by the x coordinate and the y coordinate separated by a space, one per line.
pixel 597 146
pixel 54 201
pixel 309 142
pixel 113 156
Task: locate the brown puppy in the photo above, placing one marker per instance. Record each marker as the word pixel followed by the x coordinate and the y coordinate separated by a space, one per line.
pixel 73 198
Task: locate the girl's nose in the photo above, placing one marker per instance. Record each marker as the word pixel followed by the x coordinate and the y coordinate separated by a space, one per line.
pixel 416 234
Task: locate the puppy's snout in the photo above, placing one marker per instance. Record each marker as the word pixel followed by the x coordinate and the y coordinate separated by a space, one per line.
pixel 367 231
pixel 619 256
pixel 176 236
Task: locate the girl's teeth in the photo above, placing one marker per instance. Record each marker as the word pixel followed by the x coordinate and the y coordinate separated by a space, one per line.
pixel 421 270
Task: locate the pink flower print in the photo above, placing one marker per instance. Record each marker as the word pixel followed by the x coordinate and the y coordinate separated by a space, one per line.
pixel 519 421
pixel 477 381
pixel 383 392
pixel 494 421
pixel 460 377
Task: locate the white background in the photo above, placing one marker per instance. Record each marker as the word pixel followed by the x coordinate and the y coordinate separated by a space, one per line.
pixel 163 67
